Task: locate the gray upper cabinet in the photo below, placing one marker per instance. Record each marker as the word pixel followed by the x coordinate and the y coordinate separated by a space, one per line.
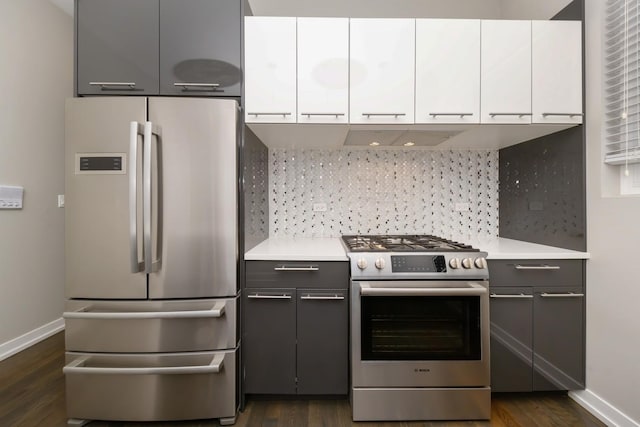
pixel 117 47
pixel 200 44
pixel 151 47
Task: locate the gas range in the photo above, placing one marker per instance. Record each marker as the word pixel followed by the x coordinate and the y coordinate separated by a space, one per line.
pixel 408 257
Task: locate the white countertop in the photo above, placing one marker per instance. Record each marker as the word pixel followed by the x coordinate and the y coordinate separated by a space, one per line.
pixel 502 248
pixel 332 249
pixel 298 249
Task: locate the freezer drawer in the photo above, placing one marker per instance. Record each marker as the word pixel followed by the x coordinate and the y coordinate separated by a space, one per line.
pixel 158 387
pixel 150 326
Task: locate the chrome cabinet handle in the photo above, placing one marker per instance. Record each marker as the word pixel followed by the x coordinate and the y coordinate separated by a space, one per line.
pixel 514 296
pixel 396 115
pixel 260 296
pixel 285 268
pixel 114 85
pixel 135 129
pixel 322 114
pixel 269 114
pixel 321 298
pixel 77 367
pixel 571 115
pixel 434 115
pixel 520 115
pixel 185 86
pixel 563 295
pixel 536 267
pixel 216 311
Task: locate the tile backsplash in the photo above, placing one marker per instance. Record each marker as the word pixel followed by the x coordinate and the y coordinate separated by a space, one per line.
pixel 383 191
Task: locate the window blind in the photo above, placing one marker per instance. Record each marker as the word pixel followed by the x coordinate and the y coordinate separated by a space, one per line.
pixel 622 82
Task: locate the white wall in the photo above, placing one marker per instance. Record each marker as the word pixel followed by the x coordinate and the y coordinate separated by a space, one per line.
pixel 531 9
pixel 36 60
pixel 613 272
pixel 487 9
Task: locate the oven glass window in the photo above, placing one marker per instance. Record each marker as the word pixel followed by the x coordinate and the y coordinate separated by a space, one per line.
pixel 420 328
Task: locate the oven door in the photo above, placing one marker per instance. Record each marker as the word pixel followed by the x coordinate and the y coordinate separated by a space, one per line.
pixel 420 334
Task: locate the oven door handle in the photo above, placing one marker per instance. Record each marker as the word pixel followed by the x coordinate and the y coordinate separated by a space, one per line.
pixel 474 290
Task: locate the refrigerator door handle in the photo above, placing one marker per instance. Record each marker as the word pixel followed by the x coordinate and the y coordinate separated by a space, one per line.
pixel 157 185
pixel 150 130
pixel 135 130
pixel 216 311
pixel 77 367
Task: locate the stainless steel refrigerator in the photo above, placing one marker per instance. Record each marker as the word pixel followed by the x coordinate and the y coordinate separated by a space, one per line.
pixel 151 226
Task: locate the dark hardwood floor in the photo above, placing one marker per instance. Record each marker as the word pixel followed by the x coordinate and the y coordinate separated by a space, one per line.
pixel 32 395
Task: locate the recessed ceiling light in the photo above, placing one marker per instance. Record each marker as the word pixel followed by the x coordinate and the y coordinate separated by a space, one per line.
pixel 374 143
pixel 409 144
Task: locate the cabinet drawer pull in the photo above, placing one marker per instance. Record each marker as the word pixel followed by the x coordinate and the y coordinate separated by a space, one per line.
pixel 571 115
pixel 285 268
pixel 185 86
pixel 434 115
pixel 269 114
pixel 510 296
pixel 520 115
pixel 318 297
pixel 322 114
pixel 563 295
pixel 396 115
pixel 536 267
pixel 114 85
pixel 258 296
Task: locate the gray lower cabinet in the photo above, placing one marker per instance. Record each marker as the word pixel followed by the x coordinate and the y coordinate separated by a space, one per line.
pixel 537 325
pixel 295 337
pixel 151 47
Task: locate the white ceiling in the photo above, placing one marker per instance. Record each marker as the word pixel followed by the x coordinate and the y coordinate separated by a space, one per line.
pixel 486 9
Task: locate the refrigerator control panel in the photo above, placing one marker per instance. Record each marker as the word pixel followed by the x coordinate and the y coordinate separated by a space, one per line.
pixel 101 163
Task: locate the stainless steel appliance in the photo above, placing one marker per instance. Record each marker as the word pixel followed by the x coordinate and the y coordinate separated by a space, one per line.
pixel 151 259
pixel 419 329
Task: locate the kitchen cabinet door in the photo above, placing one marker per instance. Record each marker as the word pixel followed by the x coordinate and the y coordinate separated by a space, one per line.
pixel 558 339
pixel 557 71
pixel 382 71
pixel 505 76
pixel 323 341
pixel 117 47
pixel 200 45
pixel 269 341
pixel 511 339
pixel 270 69
pixel 323 70
pixel 447 71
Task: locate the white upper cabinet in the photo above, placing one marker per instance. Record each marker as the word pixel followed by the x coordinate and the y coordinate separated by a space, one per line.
pixel 382 70
pixel 323 70
pixel 505 72
pixel 270 69
pixel 447 71
pixel 557 71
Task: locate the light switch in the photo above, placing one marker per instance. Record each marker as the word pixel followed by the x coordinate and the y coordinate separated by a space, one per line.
pixel 11 197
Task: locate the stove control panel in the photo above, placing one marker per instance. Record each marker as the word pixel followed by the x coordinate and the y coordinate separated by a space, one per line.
pixel 401 266
pixel 418 264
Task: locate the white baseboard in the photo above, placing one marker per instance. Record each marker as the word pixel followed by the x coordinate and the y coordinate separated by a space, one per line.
pixel 602 409
pixel 18 344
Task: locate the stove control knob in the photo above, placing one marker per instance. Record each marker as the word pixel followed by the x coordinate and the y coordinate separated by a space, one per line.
pixel 454 263
pixel 380 263
pixel 480 262
pixel 362 263
pixel 467 263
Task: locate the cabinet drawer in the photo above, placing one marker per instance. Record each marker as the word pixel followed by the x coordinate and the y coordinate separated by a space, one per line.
pixel 297 274
pixel 544 272
pixel 150 326
pixel 159 387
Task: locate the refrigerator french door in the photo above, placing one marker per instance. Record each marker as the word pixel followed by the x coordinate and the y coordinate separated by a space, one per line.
pixel 151 244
